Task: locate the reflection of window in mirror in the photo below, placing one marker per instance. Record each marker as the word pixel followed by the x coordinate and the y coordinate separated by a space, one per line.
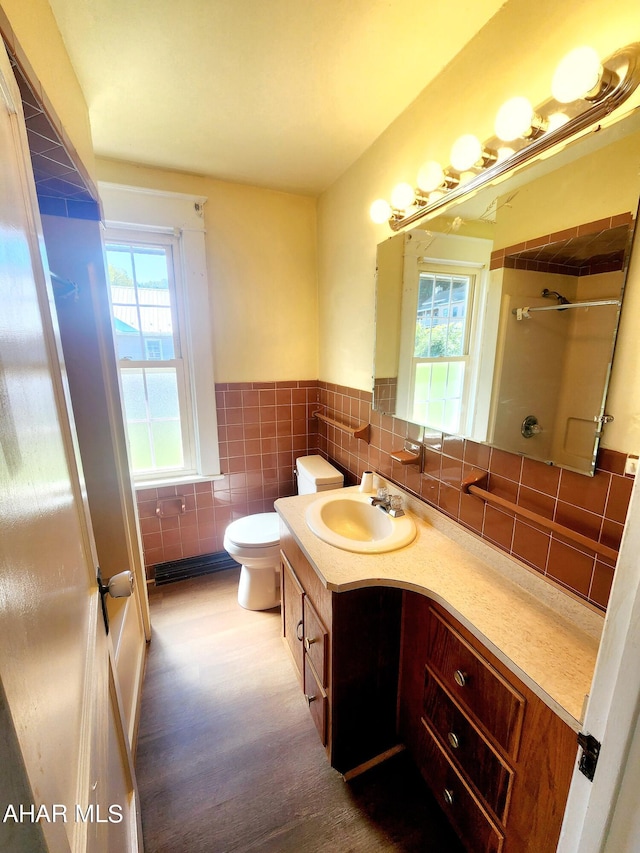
pixel 441 348
pixel 445 314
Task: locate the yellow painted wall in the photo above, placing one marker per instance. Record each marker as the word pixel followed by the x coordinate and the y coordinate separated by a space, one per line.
pixel 516 53
pixel 261 260
pixel 36 31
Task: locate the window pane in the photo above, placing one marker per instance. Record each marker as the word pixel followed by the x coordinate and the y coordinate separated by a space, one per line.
pixel 438 393
pixel 442 315
pixel 142 302
pixel 134 395
pixel 120 268
pixel 167 443
pixel 139 446
pixel 163 393
pixel 152 414
pixel 151 268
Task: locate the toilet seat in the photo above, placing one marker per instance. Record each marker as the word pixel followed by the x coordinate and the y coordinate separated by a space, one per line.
pixel 261 530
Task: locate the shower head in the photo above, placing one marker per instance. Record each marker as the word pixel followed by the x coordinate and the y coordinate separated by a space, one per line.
pixel 562 300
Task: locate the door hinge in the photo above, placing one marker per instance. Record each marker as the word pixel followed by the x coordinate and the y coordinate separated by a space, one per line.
pixel 590 752
pixel 102 591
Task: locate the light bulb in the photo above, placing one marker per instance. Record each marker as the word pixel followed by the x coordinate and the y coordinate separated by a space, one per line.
pixel 466 152
pixel 430 176
pixel 578 73
pixel 467 176
pixel 380 211
pixel 402 196
pixel 514 119
pixel 556 120
pixel 504 152
pixel 436 195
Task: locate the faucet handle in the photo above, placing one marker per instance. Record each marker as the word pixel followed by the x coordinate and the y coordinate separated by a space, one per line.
pixel 395 506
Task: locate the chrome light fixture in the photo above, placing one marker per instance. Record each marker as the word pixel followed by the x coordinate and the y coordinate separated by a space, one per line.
pixel 584 91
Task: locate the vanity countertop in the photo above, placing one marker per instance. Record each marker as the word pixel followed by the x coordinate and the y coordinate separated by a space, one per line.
pixel 548 638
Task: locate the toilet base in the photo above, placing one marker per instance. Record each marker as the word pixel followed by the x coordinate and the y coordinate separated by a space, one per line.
pixel 259 588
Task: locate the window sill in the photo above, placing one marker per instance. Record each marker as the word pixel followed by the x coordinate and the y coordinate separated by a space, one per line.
pixel 160 482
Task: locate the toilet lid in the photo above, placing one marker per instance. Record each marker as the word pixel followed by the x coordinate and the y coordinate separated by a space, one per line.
pixel 257 530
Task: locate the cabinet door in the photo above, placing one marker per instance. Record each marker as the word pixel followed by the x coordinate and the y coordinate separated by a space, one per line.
pixel 292 620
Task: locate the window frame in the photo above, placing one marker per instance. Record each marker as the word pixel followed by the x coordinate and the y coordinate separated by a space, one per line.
pixel 467 255
pixel 135 216
pixel 450 270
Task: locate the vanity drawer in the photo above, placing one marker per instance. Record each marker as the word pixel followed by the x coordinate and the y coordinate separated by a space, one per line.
pixel 475 684
pixel 315 641
pixel 316 699
pixel 465 745
pixel 474 826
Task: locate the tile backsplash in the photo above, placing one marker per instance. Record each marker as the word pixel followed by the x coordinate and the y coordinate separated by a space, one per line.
pixel 594 506
pixel 264 427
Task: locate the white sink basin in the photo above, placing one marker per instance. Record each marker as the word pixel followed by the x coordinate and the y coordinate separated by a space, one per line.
pixel 348 521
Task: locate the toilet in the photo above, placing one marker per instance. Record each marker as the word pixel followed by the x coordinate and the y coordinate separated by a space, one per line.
pixel 254 541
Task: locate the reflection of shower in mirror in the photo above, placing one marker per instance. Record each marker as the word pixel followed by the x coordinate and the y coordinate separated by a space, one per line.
pixel 562 300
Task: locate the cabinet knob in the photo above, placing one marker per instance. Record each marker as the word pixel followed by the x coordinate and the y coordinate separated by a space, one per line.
pixel 453 739
pixel 308 642
pixel 298 630
pixel 309 699
pixel 460 677
pixel 448 796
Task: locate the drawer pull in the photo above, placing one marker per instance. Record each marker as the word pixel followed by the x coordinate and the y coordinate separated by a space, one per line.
pixel 309 699
pixel 308 642
pixel 298 629
pixel 454 741
pixel 448 796
pixel 460 677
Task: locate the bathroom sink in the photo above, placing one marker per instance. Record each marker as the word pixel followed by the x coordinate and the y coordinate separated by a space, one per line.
pixel 348 521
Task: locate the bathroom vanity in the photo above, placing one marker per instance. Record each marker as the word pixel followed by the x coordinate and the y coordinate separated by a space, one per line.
pixel 451 649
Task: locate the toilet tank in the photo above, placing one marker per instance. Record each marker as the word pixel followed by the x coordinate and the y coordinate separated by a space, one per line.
pixel 315 474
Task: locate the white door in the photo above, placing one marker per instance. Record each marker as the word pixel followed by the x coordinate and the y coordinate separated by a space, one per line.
pixel 66 776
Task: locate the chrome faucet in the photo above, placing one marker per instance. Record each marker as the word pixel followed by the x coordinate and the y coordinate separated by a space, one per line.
pixel 391 504
pixel 384 502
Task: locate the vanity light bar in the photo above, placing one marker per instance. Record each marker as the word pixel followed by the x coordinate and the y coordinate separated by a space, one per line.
pixel 608 88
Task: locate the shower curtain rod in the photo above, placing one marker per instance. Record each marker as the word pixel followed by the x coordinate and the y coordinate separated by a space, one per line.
pixel 525 312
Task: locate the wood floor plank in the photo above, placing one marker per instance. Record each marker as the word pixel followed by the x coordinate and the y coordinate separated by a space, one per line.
pixel 228 758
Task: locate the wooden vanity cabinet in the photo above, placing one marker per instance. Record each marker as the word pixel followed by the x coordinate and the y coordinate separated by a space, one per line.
pixel 345 648
pixel 496 758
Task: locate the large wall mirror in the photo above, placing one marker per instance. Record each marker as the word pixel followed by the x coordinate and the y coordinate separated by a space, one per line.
pixel 496 320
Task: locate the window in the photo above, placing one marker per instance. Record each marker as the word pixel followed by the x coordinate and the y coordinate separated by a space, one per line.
pixel 143 302
pixel 161 326
pixel 449 314
pixel 441 349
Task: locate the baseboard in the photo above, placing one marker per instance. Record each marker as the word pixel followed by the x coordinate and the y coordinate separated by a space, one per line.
pixel 193 567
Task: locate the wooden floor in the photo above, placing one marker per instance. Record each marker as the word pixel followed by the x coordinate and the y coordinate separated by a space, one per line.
pixel 228 758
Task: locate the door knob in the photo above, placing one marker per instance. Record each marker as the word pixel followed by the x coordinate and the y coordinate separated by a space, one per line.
pixel 117 586
pixel 120 585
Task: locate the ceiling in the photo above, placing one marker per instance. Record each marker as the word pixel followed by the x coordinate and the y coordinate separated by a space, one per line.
pixel 285 94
